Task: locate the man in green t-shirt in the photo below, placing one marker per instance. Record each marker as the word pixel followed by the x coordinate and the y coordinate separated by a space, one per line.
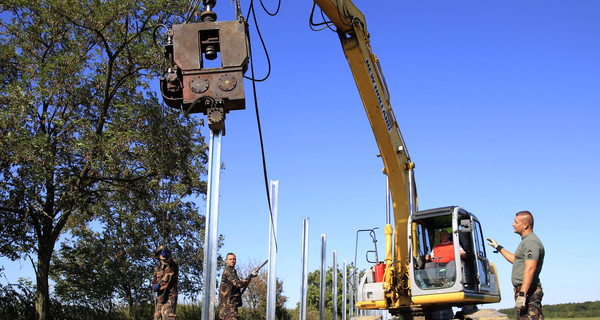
pixel 527 264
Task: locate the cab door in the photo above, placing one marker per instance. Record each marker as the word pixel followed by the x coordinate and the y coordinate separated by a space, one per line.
pixel 483 264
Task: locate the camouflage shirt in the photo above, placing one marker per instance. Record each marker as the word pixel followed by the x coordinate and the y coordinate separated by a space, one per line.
pixel 166 275
pixel 230 295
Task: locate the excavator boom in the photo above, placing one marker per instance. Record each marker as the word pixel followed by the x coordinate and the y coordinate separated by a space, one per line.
pixel 352 30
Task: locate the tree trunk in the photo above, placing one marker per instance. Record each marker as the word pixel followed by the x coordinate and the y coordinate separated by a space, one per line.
pixel 42 296
pixel 130 302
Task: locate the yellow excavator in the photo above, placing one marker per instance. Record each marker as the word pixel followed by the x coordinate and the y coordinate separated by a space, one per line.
pixel 410 282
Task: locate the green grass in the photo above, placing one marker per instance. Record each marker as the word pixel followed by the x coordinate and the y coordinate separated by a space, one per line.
pixel 592 318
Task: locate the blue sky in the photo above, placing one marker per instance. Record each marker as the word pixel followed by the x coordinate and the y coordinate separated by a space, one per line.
pixel 497 101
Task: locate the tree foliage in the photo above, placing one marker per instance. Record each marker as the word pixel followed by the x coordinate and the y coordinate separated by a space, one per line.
pixel 17 302
pixel 254 298
pixel 136 220
pixel 85 147
pixel 312 297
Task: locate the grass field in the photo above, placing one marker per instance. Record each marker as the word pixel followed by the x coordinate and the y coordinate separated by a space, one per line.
pixel 593 318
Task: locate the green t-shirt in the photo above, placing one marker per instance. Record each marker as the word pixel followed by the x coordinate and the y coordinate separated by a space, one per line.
pixel 530 248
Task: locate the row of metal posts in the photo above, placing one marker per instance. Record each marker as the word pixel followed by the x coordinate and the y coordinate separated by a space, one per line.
pixel 323 279
pixel 210 251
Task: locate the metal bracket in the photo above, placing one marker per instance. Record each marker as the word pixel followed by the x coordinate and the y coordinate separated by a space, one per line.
pixel 189 85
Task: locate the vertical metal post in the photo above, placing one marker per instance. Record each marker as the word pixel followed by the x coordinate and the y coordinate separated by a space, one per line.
pixel 272 282
pixel 356 284
pixel 334 287
pixel 323 282
pixel 304 285
pixel 344 289
pixel 210 229
pixel 351 285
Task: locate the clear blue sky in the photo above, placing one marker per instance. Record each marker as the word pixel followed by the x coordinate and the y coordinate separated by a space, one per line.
pixel 498 103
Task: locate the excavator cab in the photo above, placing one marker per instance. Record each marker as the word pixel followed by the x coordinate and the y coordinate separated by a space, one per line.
pixel 450 280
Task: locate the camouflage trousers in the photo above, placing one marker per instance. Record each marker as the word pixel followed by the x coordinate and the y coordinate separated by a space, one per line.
pixel 533 306
pixel 228 313
pixel 166 310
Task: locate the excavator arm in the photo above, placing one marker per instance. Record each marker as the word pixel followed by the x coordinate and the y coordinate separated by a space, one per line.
pixel 352 30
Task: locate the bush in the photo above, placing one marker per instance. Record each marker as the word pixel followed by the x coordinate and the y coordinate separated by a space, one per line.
pixel 189 311
pixel 16 301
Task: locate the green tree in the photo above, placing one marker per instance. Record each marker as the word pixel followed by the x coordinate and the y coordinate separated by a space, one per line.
pixel 99 269
pixel 16 301
pixel 312 297
pixel 78 126
pixel 255 296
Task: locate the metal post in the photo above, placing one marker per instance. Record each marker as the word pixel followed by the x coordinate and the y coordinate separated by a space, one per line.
pixel 210 229
pixel 272 282
pixel 322 283
pixel 344 289
pixel 356 284
pixel 334 287
pixel 352 286
pixel 304 284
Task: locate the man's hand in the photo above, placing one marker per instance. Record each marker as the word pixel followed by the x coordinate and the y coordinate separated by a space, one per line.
pixel 520 302
pixel 494 245
pixel 254 274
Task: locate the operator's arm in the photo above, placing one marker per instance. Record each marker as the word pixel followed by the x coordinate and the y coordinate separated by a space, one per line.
pixel 509 256
pixel 233 278
pixel 462 252
pixel 168 277
pixel 530 266
pixel 155 280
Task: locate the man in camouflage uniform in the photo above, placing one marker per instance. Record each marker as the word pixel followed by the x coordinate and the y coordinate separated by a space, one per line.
pixel 527 264
pixel 230 290
pixel 164 283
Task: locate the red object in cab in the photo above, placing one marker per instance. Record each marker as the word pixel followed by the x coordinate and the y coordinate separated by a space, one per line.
pixel 379 271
